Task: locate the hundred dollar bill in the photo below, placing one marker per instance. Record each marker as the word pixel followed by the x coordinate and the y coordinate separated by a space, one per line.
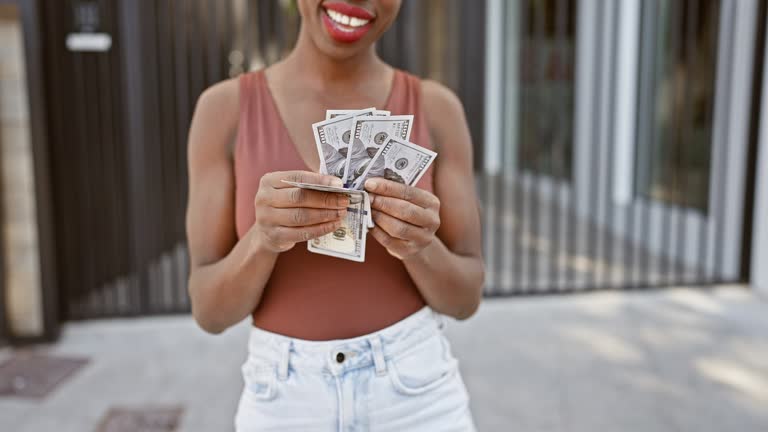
pixel 332 138
pixel 330 114
pixel 398 160
pixel 347 241
pixel 368 135
pixel 333 189
pixel 319 187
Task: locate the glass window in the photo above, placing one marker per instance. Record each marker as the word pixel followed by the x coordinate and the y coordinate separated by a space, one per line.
pixel 547 53
pixel 677 90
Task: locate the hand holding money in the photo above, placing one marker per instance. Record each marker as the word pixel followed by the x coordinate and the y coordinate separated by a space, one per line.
pixel 355 145
pixel 348 239
pixel 406 217
pixel 286 215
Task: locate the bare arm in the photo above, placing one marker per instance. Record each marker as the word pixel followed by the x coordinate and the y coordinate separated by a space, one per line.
pixel 219 264
pixel 445 263
pixel 227 276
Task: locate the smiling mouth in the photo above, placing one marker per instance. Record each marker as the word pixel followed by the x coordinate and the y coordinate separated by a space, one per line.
pixel 346 22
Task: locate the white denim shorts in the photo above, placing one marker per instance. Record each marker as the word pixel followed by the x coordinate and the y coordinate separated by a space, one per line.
pixel 401 378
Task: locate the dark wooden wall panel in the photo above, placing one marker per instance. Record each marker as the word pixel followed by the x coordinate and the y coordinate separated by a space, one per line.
pixel 120 120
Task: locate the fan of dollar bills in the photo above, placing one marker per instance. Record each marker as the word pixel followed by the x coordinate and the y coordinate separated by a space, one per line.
pixel 355 145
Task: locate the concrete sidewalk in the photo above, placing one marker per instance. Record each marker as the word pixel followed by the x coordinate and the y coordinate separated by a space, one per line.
pixel 672 360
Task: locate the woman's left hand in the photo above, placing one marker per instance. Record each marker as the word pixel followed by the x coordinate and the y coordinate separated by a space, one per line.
pixel 406 217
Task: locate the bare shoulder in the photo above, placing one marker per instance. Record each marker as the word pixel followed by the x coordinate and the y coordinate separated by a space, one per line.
pixel 215 121
pixel 222 96
pixel 445 115
pixel 439 97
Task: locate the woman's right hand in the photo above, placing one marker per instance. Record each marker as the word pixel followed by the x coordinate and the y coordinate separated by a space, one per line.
pixel 286 215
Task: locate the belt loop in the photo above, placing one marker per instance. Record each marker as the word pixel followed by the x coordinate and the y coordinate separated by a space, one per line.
pixel 378 355
pixel 282 368
pixel 441 321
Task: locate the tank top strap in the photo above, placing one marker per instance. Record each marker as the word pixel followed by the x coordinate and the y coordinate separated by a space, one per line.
pixel 406 99
pixel 245 83
pixel 411 92
pixel 259 124
pixel 253 96
pixel 247 95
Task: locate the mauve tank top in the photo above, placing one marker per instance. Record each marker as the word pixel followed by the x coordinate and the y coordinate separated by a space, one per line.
pixel 311 296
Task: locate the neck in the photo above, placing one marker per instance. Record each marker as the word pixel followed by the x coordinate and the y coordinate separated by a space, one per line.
pixel 307 57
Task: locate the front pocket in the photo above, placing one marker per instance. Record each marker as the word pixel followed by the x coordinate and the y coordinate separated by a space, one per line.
pixel 424 368
pixel 260 380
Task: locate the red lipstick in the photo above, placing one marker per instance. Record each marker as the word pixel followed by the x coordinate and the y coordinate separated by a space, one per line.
pixel 343 21
pixel 349 10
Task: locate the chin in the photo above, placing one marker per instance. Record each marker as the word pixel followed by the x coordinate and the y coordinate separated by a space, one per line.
pixel 344 29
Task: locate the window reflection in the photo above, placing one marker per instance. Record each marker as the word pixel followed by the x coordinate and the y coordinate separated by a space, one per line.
pixel 678 74
pixel 548 43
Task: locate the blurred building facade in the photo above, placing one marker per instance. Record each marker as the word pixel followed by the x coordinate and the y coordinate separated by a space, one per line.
pixel 615 142
pixel 622 135
pixel 21 299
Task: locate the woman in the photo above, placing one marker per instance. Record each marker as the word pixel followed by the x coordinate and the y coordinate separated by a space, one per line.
pixel 335 345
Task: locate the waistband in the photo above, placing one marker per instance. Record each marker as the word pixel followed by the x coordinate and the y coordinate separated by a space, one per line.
pixel 362 351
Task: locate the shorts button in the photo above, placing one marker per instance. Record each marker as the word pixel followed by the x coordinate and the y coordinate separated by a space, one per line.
pixel 340 357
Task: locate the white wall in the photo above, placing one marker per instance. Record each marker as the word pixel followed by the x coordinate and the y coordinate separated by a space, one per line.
pixel 494 84
pixel 759 277
pixel 17 187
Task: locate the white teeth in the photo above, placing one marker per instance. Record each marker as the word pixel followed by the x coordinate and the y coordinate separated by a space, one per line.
pixel 346 19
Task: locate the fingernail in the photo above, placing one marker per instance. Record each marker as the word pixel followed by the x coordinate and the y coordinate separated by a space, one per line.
pixel 342 201
pixel 371 184
pixel 372 198
pixel 341 212
pixel 336 182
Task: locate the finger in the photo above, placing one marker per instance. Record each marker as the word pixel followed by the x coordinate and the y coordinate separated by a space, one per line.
pixel 397 228
pixel 420 197
pixel 294 197
pixel 275 179
pixel 392 244
pixel 301 217
pixel 306 233
pixel 404 210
